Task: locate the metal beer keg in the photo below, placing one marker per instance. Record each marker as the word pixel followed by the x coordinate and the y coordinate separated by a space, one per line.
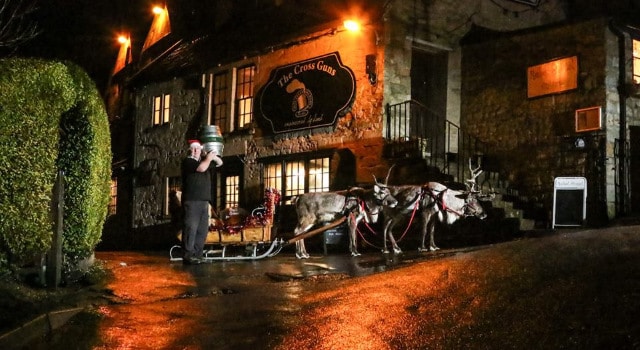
pixel 211 139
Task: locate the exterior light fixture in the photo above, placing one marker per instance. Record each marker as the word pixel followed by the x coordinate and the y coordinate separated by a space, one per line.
pixel 124 53
pixel 351 25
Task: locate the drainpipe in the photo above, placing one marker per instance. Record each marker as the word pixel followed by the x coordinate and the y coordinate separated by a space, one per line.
pixel 622 92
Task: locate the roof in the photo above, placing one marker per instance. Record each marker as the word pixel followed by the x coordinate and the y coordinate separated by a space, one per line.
pixel 197 43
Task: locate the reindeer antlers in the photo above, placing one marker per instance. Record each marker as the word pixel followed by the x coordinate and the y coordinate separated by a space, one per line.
pixel 471 183
pixel 386 180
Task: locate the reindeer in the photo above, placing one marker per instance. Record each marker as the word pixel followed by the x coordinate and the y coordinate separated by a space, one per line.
pixel 433 202
pixel 355 203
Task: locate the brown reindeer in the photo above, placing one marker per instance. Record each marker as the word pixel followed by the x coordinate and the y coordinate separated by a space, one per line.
pixel 430 203
pixel 355 203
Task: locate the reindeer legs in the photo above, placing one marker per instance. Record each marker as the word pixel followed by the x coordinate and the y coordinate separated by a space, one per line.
pixel 353 225
pixel 388 232
pixel 301 250
pixel 430 227
pixel 429 220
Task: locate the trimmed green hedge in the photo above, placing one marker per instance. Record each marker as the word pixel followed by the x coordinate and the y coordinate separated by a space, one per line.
pixel 51 117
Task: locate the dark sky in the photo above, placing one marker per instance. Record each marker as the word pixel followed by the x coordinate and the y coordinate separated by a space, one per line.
pixel 85 32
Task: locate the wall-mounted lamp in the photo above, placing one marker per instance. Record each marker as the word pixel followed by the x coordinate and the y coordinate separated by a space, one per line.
pixel 351 25
pixel 124 53
pixel 370 69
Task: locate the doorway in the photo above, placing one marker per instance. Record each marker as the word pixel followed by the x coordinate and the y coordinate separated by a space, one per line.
pixel 429 90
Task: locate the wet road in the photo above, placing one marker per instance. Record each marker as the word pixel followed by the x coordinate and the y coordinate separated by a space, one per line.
pixel 566 290
pixel 155 303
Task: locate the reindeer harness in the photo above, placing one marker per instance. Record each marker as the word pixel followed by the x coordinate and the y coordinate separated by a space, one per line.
pixel 438 199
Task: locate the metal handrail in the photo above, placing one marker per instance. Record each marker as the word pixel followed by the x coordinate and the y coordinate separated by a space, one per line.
pixel 441 143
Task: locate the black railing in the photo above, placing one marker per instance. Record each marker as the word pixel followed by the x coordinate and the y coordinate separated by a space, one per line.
pixel 415 130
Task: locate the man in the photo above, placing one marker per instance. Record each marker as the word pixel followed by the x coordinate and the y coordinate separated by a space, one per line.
pixel 196 195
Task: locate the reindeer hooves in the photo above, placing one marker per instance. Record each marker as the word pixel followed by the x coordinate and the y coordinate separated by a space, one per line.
pixel 397 251
pixel 430 249
pixel 302 256
pixel 355 254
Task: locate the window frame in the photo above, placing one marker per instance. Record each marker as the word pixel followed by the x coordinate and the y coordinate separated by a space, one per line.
pixel 220 94
pixel 161 109
pixel 233 196
pixel 232 96
pixel 230 169
pixel 283 179
pixel 244 96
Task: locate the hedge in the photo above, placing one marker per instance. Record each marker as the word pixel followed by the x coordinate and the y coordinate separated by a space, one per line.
pixel 51 118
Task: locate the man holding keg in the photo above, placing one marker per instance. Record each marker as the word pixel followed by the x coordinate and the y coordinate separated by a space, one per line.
pixel 196 195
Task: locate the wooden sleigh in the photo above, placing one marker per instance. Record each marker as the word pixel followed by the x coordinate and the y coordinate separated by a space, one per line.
pixel 235 227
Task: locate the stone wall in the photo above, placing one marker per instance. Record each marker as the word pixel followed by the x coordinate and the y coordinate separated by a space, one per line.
pixel 160 149
pixel 532 137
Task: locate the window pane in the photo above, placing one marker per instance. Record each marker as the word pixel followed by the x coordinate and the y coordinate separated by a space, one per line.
pixel 245 111
pixel 244 95
pixel 157 104
pixel 319 175
pixel 166 108
pixel 220 103
pixel 232 186
pixel 294 181
pixel 636 61
pixel 273 176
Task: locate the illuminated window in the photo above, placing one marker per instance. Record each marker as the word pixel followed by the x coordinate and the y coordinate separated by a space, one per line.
pixel 220 103
pixel 300 176
pixel 232 191
pixel 161 109
pixel 231 96
pixel 244 95
pixel 173 188
pixel 319 175
pixel 294 178
pixel 636 61
pixel 273 176
pixel 228 189
pixel 113 199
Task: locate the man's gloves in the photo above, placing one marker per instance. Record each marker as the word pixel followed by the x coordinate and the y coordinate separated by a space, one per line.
pixel 216 159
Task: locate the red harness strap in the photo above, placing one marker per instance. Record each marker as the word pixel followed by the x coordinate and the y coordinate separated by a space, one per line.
pixel 439 200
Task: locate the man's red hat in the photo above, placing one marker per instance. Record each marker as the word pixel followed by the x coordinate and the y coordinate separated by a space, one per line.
pixel 194 143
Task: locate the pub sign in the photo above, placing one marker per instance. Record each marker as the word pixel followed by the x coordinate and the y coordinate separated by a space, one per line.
pixel 307 94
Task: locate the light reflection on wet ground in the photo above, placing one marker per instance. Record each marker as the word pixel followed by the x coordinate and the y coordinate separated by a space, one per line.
pixel 531 293
pixel 154 303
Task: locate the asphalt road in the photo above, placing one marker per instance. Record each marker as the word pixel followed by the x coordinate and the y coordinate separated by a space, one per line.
pixel 574 289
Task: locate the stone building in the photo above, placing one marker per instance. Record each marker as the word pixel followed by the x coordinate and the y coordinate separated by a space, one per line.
pixel 528 90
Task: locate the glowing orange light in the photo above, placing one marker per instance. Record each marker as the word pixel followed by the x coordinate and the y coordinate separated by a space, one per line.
pixel 351 25
pixel 157 10
pixel 123 39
